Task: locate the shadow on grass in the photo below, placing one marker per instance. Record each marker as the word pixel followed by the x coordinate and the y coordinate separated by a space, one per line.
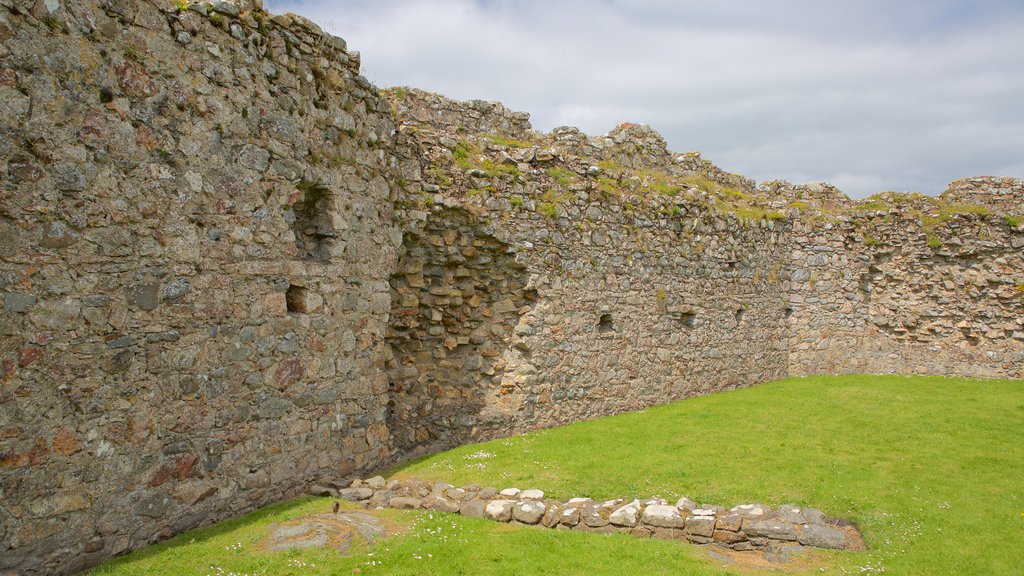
pixel 256 519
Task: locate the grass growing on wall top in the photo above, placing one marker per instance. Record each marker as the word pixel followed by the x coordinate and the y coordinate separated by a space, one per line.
pixel 928 468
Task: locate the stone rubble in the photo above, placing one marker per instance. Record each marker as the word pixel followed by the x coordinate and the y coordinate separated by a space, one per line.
pixel 741 528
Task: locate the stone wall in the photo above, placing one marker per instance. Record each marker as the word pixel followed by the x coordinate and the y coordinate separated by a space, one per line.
pixel 876 293
pixel 458 293
pixel 1005 195
pixel 195 246
pixel 744 528
pixel 624 299
pixel 231 269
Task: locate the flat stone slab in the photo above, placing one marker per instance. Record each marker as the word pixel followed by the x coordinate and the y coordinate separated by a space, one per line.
pixel 336 531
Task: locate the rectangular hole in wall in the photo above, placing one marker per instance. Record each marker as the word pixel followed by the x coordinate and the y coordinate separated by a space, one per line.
pixel 686 320
pixel 296 299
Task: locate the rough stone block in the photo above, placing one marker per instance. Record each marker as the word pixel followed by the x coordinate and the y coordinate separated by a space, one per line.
pixel 769 529
pixel 529 512
pixel 703 526
pixel 499 510
pixel 821 536
pixel 663 516
pixel 405 503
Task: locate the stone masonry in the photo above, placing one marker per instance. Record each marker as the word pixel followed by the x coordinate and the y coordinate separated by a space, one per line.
pixel 746 527
pixel 231 269
pixel 196 241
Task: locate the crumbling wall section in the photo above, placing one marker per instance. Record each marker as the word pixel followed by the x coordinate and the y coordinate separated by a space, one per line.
pixel 457 295
pixel 642 295
pixel 877 293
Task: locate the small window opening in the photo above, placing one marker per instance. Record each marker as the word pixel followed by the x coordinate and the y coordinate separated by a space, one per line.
pixel 314 230
pixel 740 314
pixel 296 299
pixel 789 313
pixel 687 319
pixel 604 324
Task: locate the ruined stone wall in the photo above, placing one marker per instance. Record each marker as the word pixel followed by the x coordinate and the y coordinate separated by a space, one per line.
pixel 612 301
pixel 876 293
pixel 1004 195
pixel 195 246
pixel 230 269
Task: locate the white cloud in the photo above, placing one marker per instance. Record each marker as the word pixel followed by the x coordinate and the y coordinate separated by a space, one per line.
pixel 870 95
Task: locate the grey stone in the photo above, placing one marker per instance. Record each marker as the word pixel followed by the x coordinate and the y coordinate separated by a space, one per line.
pixel 69 177
pixel 122 342
pixel 96 301
pixel 153 506
pixel 752 510
pixel 552 515
pixel 176 290
pixel 254 158
pixel 499 510
pixel 570 515
pixel 15 302
pixel 531 494
pixel 591 515
pixel 274 408
pixel 143 295
pixel 821 536
pixel 224 7
pixel 791 514
pixel 59 315
pixel 529 512
pixel 769 529
pixel 685 504
pixel 355 494
pixel 319 490
pixel 57 235
pixel 627 515
pixel 663 516
pixel 730 522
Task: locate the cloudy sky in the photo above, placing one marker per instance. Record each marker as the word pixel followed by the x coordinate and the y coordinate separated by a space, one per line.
pixel 869 95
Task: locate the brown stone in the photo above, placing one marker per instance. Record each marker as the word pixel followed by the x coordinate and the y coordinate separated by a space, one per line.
pixel 729 537
pixel 65 442
pixel 184 466
pixel 287 372
pixel 27 356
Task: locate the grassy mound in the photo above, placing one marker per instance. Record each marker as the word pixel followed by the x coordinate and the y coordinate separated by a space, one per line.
pixel 928 468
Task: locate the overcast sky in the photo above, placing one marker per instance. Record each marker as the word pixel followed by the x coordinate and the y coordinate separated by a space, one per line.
pixel 869 95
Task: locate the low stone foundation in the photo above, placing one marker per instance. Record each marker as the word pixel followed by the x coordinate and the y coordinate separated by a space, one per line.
pixel 746 527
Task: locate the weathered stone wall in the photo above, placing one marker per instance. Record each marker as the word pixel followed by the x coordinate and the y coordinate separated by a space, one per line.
pixel 630 299
pixel 195 246
pixel 1005 195
pixel 457 295
pixel 225 276
pixel 875 293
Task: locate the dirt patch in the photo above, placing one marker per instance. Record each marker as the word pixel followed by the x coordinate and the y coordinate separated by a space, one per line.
pixel 776 559
pixel 338 531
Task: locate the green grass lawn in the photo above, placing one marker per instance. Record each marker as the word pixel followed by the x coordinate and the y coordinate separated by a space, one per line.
pixel 930 469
